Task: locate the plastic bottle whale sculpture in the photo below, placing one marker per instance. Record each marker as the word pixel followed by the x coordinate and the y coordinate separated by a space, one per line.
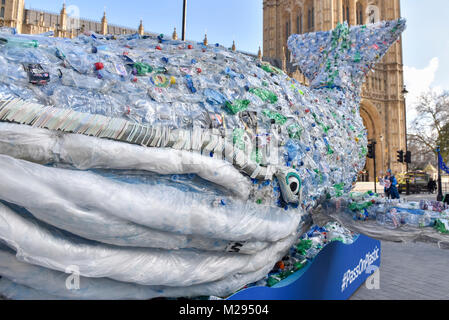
pixel 163 168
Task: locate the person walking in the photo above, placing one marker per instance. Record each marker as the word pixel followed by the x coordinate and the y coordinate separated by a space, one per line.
pixel 393 189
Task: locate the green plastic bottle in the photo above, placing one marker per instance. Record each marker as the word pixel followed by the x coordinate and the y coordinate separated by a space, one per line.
pixel 237 106
pixel 16 42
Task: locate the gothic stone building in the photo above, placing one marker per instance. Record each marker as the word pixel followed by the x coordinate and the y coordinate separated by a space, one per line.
pixel 383 104
pixel 65 24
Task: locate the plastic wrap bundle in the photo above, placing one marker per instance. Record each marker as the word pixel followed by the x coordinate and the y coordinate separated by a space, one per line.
pixel 162 168
pixel 391 220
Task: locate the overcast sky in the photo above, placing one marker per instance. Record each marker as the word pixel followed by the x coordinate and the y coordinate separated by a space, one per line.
pixel 426 40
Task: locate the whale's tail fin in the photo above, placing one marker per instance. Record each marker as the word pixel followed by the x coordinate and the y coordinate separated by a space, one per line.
pixel 344 56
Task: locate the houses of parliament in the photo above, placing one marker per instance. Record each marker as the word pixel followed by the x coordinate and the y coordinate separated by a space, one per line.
pixel 383 105
pixel 66 24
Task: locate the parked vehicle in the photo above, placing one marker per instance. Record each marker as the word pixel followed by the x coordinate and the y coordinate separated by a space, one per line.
pixel 418 182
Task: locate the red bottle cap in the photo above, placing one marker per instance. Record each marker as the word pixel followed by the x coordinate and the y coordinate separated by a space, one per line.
pixel 280 265
pixel 99 66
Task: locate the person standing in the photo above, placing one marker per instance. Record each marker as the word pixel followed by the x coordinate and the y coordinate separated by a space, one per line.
pixel 393 189
pixel 431 185
pixel 387 184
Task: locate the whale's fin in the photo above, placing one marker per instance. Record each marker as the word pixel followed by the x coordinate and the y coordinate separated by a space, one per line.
pixel 343 57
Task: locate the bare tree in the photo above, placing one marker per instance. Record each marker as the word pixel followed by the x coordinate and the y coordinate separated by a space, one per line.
pixel 431 127
pixel 421 154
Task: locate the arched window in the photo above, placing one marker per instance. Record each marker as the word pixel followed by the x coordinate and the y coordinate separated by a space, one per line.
pixel 359 13
pixel 309 19
pixel 313 18
pixel 287 34
pixel 299 23
pixel 346 10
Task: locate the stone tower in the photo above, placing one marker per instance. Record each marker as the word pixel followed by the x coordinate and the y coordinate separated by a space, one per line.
pixel 11 13
pixel 62 22
pixel 141 30
pixel 104 24
pixel 383 104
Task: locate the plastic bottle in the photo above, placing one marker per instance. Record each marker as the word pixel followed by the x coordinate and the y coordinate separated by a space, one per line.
pixel 418 220
pixel 18 42
pixel 76 80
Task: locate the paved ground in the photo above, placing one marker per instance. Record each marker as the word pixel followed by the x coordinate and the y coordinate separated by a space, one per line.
pixel 414 271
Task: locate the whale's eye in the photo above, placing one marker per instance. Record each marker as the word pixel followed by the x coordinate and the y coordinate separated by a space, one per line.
pixel 293 183
pixel 290 184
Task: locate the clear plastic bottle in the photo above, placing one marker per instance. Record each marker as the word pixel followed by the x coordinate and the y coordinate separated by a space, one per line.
pixel 18 42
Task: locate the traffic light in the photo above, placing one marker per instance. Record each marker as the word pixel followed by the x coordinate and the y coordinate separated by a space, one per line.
pixel 401 156
pixel 408 157
pixel 371 151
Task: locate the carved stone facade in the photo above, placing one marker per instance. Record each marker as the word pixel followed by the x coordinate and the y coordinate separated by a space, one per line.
pixel 65 24
pixel 383 104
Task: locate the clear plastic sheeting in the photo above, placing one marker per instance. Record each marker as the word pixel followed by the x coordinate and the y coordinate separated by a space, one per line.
pixel 159 206
pixel 13 291
pixel 44 146
pixel 390 220
pixel 37 245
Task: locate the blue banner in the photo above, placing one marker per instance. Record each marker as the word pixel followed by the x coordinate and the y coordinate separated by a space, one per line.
pixel 335 274
pixel 443 166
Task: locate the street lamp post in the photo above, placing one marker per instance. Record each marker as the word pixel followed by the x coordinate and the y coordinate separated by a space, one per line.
pixel 404 94
pixel 184 14
pixel 440 191
pixel 375 170
pixel 407 180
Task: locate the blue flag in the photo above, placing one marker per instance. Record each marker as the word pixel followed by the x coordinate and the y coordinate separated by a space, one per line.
pixel 443 166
